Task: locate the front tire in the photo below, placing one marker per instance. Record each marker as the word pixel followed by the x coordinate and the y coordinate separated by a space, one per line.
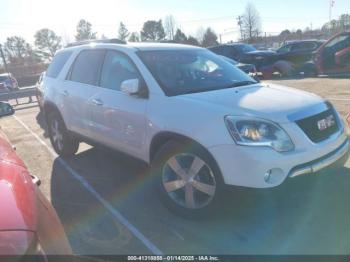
pixel 62 142
pixel 189 182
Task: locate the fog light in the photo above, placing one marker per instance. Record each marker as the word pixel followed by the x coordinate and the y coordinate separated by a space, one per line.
pixel 274 176
pixel 267 176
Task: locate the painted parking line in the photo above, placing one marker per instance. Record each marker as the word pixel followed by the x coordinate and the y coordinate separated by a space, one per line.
pixel 114 212
pixel 338 99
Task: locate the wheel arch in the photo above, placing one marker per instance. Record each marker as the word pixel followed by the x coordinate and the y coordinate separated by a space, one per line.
pixel 50 107
pixel 162 138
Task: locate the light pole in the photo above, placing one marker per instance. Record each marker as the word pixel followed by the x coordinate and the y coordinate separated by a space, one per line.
pixel 3 59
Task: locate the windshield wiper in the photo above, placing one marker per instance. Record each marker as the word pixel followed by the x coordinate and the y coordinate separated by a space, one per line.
pixel 242 83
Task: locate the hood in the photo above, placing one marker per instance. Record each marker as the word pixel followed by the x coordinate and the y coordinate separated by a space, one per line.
pixel 17 191
pixel 273 102
pixel 7 153
pixel 16 243
pixel 18 198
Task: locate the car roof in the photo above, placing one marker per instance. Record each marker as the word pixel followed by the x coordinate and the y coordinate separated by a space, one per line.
pixel 143 46
pixel 161 46
pixel 304 41
pixel 229 44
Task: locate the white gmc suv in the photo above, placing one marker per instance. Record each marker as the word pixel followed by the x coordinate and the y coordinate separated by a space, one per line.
pixel 199 122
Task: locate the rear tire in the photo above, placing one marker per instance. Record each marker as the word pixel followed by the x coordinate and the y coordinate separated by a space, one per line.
pixel 63 143
pixel 188 180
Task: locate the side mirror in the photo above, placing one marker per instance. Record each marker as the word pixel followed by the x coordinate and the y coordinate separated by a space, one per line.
pixel 6 109
pixel 130 87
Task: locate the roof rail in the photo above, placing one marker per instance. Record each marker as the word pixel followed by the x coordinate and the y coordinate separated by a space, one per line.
pixel 105 41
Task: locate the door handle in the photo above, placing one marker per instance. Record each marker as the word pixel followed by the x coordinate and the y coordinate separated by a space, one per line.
pixel 65 93
pixel 97 102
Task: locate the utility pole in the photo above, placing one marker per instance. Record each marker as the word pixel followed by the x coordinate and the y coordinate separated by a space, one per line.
pixel 240 23
pixel 3 59
pixel 220 38
pixel 331 4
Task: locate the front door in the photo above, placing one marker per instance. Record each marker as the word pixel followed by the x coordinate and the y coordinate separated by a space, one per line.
pixel 118 119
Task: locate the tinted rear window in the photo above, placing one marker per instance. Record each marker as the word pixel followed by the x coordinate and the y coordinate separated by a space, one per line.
pixel 57 64
pixel 87 67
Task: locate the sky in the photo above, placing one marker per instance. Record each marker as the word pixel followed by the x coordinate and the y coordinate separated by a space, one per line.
pixel 25 17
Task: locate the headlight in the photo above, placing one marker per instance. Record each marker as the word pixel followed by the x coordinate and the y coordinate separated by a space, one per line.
pixel 258 132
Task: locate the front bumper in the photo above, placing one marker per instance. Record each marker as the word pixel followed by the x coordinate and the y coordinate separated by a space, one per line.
pixel 321 163
pixel 262 167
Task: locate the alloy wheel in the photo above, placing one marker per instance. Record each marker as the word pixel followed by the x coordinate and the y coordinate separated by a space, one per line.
pixel 57 135
pixel 188 181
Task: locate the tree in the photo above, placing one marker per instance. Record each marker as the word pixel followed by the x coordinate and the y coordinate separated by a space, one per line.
pixel 285 34
pixel 152 31
pixel 134 37
pixel 103 37
pixel 251 22
pixel 344 22
pixel 47 43
pixel 180 37
pixel 17 49
pixel 192 41
pixel 169 27
pixel 200 34
pixel 209 38
pixel 84 31
pixel 299 34
pixel 123 32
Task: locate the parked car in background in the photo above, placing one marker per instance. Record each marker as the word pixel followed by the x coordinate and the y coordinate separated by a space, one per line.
pixel 8 82
pixel 245 53
pixel 246 68
pixel 28 223
pixel 291 57
pixel 333 57
pixel 298 51
pixel 200 122
pixel 40 90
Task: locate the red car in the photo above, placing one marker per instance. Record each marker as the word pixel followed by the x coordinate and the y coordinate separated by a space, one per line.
pixel 333 57
pixel 28 222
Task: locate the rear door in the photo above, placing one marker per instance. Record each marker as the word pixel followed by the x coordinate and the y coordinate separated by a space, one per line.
pixel 118 119
pixel 79 87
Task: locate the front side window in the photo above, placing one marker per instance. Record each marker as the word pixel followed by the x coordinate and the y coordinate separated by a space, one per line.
pixel 333 44
pixel 87 66
pixel 57 63
pixel 116 69
pixel 189 71
pixel 304 46
pixel 284 49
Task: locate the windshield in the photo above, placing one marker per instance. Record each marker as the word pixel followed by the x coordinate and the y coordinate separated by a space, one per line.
pixel 231 61
pixel 190 71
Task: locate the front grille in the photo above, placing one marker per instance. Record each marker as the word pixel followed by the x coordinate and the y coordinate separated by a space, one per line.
pixel 310 126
